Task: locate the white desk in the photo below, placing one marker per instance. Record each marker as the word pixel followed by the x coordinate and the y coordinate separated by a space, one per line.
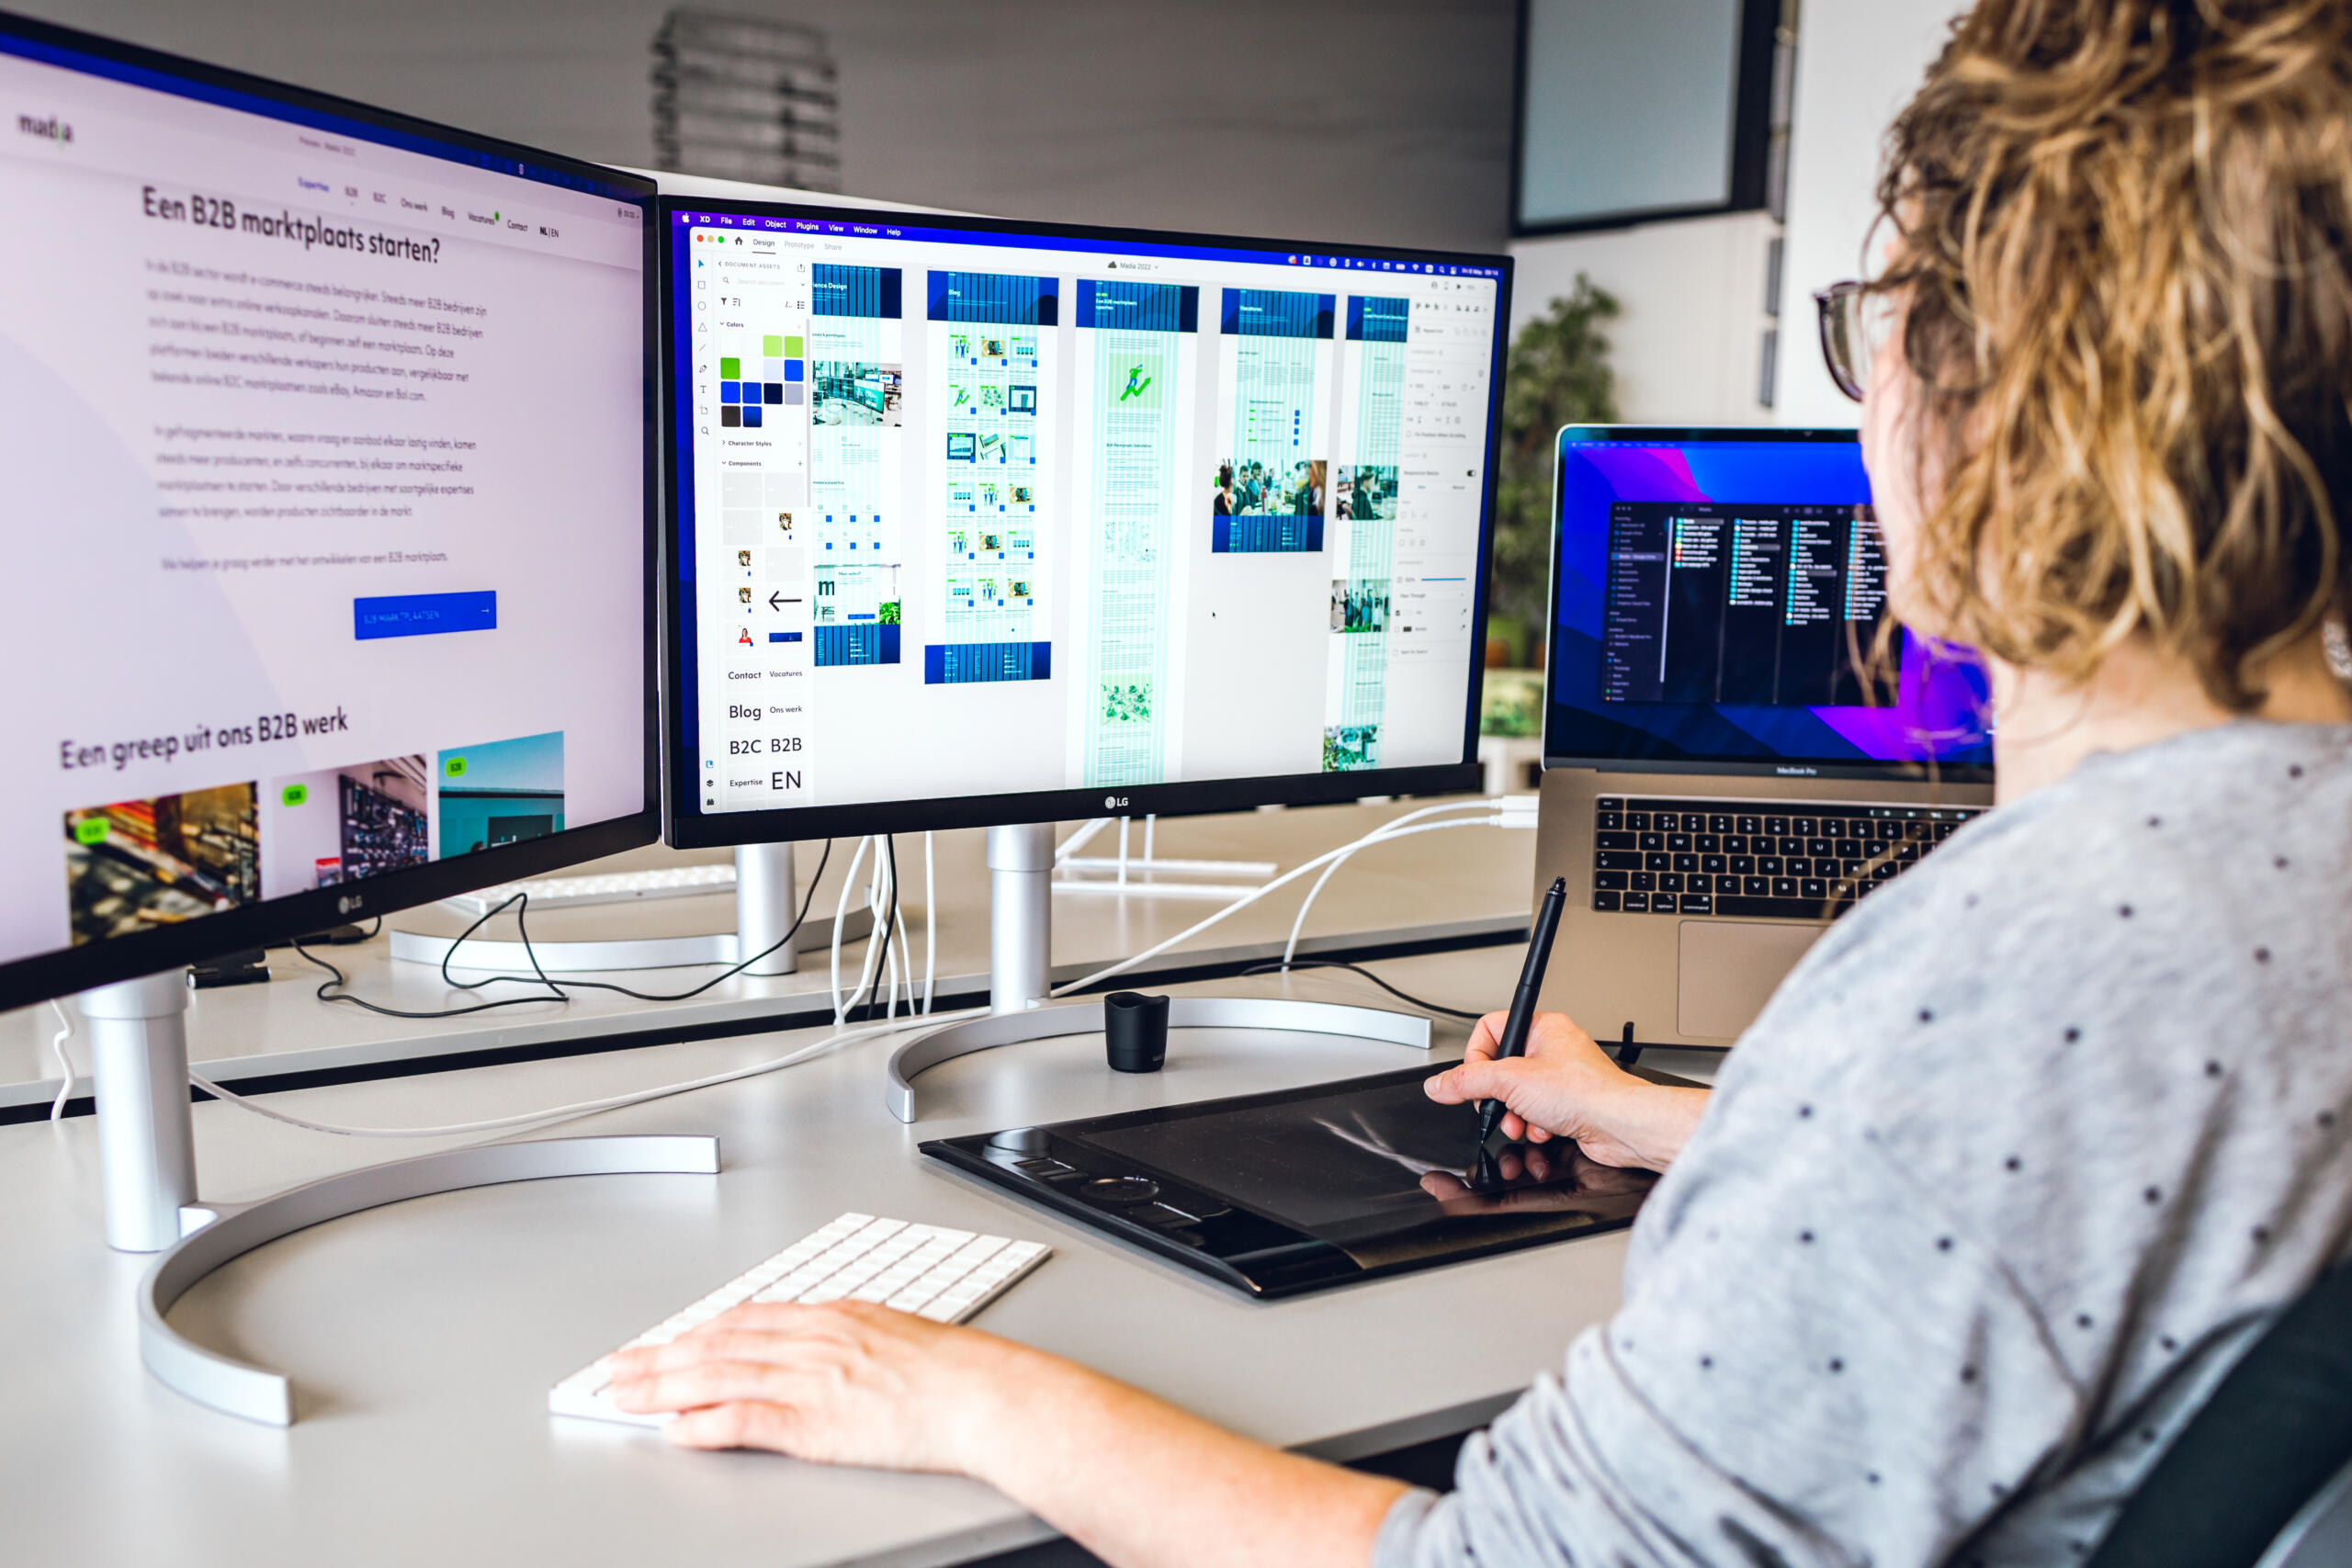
pixel 423 1337
pixel 1451 887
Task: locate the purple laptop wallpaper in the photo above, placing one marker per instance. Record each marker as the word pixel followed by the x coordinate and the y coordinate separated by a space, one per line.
pixel 1710 593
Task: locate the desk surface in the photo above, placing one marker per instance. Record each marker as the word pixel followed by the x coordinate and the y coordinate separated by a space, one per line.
pixel 1436 886
pixel 421 1337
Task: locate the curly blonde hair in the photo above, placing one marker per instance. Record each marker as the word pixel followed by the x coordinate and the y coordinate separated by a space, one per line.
pixel 2123 262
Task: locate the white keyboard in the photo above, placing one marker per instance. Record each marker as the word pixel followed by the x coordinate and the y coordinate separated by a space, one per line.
pixel 614 887
pixel 945 1275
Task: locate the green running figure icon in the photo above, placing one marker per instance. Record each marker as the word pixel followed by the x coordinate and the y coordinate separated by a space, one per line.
pixel 1136 382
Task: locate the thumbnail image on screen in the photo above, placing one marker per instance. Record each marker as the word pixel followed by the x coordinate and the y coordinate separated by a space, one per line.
pixel 1719 599
pixel 326 451
pixel 976 510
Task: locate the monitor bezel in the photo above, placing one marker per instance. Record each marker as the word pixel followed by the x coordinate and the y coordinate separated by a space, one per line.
pixel 1744 767
pixel 274 921
pixel 687 825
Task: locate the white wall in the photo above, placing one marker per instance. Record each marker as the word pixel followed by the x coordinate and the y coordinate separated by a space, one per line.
pixel 1689 346
pixel 1858 63
pixel 1375 120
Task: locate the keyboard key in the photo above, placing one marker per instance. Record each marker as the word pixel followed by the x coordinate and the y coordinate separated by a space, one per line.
pixel 1644 881
pixel 1797 865
pixel 1604 840
pixel 1637 820
pixel 1850 849
pixel 1816 846
pixel 1669 882
pixel 1713 865
pixel 1726 883
pixel 1718 824
pixel 1769 865
pixel 1792 845
pixel 1606 901
pixel 1679 844
pixel 1609 821
pixel 1697 904
pixel 1654 842
pixel 1609 881
pixel 1609 803
pixel 1885 872
pixel 1734 843
pixel 1784 887
pixel 1805 826
pixel 1616 860
pixel 1814 890
pixel 1778 826
pixel 1740 865
pixel 1756 886
pixel 1750 824
pixel 1707 843
pixel 1637 903
pixel 1658 863
pixel 1686 862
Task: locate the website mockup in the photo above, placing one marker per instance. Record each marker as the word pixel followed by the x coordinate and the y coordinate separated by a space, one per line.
pixel 972 512
pixel 326 513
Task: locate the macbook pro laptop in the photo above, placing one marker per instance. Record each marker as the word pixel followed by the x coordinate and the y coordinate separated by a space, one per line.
pixel 1726 770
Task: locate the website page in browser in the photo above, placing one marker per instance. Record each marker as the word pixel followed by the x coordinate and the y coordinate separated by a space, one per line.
pixel 325 472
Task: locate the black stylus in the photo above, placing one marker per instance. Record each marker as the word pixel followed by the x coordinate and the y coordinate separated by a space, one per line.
pixel 1523 1001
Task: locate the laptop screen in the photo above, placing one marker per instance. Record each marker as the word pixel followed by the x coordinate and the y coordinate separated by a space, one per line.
pixel 1716 596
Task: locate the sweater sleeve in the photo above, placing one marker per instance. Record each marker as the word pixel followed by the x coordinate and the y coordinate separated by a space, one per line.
pixel 1814 1365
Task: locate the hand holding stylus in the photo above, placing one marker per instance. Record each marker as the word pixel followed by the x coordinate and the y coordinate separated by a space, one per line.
pixel 1512 1041
pixel 1566 1087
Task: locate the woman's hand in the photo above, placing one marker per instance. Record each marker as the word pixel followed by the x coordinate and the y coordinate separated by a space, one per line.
pixel 1132 1479
pixel 1566 1087
pixel 843 1383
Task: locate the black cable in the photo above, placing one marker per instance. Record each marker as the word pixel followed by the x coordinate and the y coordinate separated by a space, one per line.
pixel 340 985
pixel 889 925
pixel 1278 967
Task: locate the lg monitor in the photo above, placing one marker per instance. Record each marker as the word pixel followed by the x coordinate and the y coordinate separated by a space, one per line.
pixel 981 522
pixel 328 437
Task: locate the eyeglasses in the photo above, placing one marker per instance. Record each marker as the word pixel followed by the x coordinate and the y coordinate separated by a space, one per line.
pixel 1854 323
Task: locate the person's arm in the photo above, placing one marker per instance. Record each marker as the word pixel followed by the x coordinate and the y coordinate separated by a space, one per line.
pixel 1132 1479
pixel 1566 1087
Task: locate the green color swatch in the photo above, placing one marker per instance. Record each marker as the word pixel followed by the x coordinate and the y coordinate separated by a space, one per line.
pixel 794 347
pixel 731 369
pixel 294 794
pixel 90 831
pixel 453 767
pixel 773 346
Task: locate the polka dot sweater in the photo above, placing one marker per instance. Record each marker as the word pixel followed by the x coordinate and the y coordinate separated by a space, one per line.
pixel 2017 1162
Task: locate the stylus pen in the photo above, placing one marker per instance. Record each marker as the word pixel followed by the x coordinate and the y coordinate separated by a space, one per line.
pixel 1523 1001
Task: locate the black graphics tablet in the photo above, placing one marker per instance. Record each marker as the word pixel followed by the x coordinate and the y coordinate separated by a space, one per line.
pixel 1301 1188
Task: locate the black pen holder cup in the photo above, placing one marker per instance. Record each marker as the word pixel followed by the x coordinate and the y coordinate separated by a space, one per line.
pixel 1134 1032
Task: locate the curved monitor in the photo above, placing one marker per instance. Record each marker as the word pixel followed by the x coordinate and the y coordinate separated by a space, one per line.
pixel 1710 592
pixel 329 442
pixel 979 522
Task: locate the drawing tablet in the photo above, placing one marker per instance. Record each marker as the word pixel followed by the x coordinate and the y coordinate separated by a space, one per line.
pixel 1300 1188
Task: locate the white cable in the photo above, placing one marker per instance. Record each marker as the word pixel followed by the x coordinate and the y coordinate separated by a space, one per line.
pixel 1381 834
pixel 64 1063
pixel 585 1108
pixel 901 962
pixel 877 915
pixel 930 921
pixel 841 913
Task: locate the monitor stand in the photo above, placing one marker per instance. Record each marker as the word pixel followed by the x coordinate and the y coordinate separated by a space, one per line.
pixel 1021 930
pixel 763 911
pixel 147 1162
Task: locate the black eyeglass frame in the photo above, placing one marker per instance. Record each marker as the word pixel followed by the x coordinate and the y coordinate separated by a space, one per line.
pixel 1836 306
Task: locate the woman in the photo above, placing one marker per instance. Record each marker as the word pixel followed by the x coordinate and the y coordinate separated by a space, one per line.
pixel 2033 1144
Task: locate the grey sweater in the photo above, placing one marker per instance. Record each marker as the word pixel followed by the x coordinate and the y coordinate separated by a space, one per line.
pixel 2020 1160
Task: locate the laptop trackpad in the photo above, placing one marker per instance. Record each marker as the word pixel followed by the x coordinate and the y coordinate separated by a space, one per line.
pixel 1729 969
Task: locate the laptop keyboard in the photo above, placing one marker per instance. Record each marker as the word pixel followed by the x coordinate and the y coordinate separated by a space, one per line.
pixel 1770 859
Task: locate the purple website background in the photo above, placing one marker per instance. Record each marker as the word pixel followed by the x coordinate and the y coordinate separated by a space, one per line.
pixel 1940 695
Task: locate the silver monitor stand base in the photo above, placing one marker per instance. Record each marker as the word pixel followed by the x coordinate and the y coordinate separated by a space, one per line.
pixel 147 1161
pixel 763 911
pixel 1020 928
